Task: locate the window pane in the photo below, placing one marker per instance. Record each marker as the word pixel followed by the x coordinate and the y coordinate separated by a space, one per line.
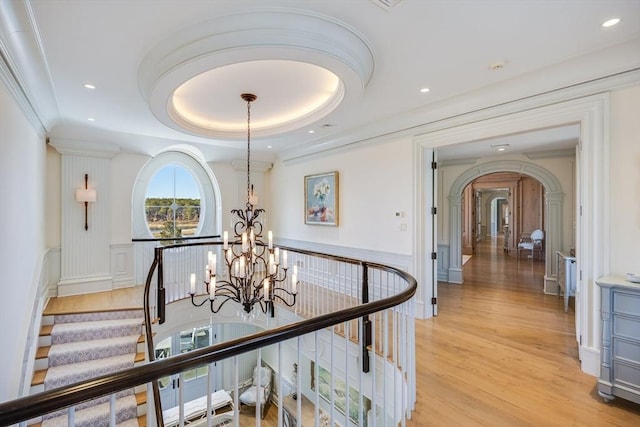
pixel 172 204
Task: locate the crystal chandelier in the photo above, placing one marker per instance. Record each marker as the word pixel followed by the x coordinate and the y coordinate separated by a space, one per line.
pixel 256 273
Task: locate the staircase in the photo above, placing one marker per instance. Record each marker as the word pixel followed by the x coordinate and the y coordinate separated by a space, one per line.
pixel 78 346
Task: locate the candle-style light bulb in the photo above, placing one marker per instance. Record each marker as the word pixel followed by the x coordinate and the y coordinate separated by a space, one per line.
pixel 225 239
pixel 212 288
pixel 294 283
pixel 270 239
pixel 284 259
pixel 276 253
pixel 267 297
pixel 193 283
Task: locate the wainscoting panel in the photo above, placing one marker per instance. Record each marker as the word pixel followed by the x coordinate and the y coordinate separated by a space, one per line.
pixel 443 263
pixel 122 265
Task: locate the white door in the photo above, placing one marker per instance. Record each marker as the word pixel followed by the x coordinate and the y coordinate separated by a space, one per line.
pixel 430 246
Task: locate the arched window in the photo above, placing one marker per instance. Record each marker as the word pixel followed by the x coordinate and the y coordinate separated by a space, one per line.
pixel 175 195
pixel 172 204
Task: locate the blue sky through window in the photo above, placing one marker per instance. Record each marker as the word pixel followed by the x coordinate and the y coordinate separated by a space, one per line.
pixel 162 184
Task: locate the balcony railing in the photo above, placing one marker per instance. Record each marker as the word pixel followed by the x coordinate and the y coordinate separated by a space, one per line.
pixel 351 335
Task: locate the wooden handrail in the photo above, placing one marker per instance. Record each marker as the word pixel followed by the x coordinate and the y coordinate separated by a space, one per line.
pixel 36 405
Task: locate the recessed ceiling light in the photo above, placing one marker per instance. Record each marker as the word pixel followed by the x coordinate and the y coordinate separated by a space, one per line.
pixel 312 131
pixel 89 86
pixel 611 22
pixel 91 119
pixel 497 65
pixel 269 146
pixel 424 90
pixel 500 147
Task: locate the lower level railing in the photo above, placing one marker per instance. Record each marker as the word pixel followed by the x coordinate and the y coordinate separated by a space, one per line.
pixel 343 355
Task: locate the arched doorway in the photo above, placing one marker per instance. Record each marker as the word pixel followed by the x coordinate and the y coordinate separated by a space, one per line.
pixel 553 207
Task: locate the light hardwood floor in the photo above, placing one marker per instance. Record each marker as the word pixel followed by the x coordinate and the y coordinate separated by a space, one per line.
pixel 500 353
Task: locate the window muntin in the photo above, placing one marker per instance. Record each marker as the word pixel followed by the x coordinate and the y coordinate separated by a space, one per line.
pixel 172 203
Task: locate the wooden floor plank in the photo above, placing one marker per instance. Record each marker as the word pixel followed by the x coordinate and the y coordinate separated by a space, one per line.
pixel 501 353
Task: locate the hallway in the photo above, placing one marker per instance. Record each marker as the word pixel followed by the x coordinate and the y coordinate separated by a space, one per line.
pixel 502 353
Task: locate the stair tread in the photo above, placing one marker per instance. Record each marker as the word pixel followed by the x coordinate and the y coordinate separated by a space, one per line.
pixel 140 357
pixel 90 414
pixel 94 324
pixel 45 330
pixel 58 376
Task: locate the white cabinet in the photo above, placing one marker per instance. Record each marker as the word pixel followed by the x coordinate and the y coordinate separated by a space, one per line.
pixel 620 347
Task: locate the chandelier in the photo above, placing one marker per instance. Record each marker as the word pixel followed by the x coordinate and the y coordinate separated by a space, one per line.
pixel 254 272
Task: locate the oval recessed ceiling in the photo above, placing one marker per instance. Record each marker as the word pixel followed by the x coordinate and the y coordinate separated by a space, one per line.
pixel 301 66
pixel 290 93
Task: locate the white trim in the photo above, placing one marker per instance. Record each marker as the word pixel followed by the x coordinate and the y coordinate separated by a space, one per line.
pixel 122 265
pixel 592 113
pixel 590 360
pixel 72 147
pixel 450 115
pixel 26 69
pixel 85 285
pixel 193 161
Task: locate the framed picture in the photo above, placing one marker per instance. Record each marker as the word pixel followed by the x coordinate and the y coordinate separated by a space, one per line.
pixel 321 199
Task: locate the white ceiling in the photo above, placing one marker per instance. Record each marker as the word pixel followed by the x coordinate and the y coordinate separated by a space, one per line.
pixel 56 46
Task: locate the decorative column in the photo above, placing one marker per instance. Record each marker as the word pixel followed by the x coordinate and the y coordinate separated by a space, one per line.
pixel 552 239
pixel 85 264
pixel 455 239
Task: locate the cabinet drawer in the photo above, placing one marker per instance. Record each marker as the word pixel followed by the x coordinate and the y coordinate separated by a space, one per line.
pixel 627 374
pixel 626 327
pixel 626 350
pixel 625 303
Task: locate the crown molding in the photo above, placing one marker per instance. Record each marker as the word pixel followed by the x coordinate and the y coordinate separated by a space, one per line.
pixel 543 88
pixel 23 65
pixel 84 148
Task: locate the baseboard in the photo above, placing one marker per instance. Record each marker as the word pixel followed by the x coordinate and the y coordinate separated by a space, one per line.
pixel 590 360
pixel 84 285
pixel 550 285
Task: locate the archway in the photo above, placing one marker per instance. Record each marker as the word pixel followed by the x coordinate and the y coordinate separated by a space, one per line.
pixel 554 200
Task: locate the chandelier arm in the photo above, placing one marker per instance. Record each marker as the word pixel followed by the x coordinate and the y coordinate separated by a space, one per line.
pixel 284 301
pixel 193 301
pixel 216 310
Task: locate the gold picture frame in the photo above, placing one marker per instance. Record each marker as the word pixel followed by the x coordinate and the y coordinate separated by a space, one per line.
pixel 321 199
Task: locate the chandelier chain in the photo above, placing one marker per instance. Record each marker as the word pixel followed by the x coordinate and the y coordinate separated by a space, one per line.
pixel 248 150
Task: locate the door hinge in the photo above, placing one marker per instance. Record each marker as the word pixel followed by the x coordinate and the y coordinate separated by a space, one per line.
pixel 434 301
pixel 434 255
pixel 434 165
pixel 434 210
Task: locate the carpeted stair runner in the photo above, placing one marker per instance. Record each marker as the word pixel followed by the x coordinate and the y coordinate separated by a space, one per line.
pixel 88 345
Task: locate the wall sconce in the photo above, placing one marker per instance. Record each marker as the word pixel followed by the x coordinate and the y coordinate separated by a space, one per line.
pixel 86 195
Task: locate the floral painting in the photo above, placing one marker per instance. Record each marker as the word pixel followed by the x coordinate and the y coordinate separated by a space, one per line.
pixel 321 199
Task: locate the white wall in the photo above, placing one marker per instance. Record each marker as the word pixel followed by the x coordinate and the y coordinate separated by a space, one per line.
pixel 22 227
pixel 125 168
pixel 374 182
pixel 624 182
